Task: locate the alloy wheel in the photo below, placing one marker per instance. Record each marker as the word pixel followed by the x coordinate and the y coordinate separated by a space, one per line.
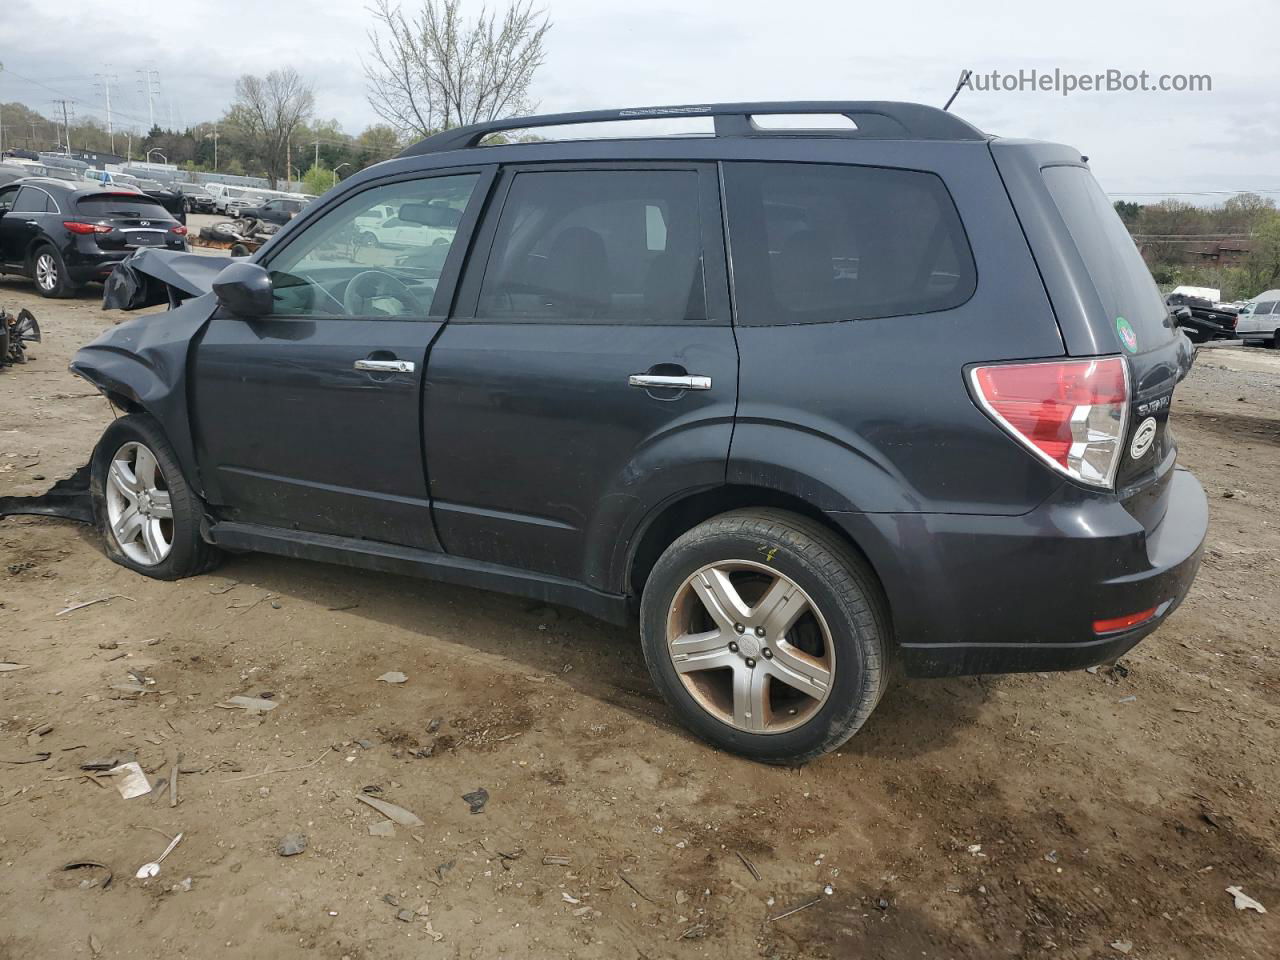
pixel 46 271
pixel 139 508
pixel 750 646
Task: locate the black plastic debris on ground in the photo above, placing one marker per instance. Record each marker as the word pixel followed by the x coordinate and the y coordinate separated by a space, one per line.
pixel 67 498
pixel 477 799
pixel 15 333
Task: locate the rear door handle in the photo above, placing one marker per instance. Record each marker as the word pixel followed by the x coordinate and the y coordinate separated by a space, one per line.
pixel 385 366
pixel 650 381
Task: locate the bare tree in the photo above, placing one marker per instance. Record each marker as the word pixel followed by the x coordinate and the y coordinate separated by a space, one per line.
pixel 437 69
pixel 270 109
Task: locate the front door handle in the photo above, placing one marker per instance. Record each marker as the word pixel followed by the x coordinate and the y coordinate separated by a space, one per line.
pixel 385 366
pixel 651 381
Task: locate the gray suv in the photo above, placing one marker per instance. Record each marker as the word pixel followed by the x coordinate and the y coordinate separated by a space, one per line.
pixel 813 406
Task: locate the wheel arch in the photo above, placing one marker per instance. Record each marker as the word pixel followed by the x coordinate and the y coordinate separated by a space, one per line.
pixel 671 520
pixel 133 385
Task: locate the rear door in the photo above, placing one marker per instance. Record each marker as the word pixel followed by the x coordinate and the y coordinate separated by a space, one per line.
pixel 310 418
pixel 590 368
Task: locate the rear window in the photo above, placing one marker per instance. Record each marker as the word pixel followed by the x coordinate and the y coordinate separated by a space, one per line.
pixel 817 243
pixel 122 205
pixel 1119 275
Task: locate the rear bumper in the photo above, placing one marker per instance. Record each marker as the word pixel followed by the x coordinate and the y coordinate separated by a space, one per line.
pixel 86 265
pixel 983 594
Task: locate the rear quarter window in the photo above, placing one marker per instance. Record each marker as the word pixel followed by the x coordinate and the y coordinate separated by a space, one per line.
pixel 1115 266
pixel 819 243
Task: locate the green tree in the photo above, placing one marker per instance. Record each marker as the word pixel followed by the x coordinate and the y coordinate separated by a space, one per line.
pixel 317 179
pixel 1262 266
pixel 1128 211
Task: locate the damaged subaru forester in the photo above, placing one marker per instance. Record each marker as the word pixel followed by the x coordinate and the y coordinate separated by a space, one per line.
pixel 815 406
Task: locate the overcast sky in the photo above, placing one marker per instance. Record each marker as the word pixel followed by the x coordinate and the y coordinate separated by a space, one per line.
pixel 664 52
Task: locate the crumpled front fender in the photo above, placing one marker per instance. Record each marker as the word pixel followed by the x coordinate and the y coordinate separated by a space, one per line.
pixel 141 366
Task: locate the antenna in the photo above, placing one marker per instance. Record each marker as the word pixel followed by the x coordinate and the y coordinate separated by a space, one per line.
pixel 964 79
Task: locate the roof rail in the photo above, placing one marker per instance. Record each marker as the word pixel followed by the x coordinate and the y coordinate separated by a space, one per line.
pixel 873 120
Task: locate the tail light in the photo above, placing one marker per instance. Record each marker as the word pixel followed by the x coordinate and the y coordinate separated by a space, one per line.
pixel 77 226
pixel 1072 414
pixel 180 230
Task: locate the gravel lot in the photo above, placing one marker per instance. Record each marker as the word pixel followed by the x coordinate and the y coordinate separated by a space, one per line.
pixel 1065 815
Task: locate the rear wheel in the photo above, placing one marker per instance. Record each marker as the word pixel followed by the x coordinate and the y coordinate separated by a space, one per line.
pixel 50 274
pixel 148 515
pixel 766 634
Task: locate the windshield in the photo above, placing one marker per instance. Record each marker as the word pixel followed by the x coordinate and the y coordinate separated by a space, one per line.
pixel 1118 272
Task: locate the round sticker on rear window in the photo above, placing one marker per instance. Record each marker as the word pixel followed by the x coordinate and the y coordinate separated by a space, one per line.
pixel 1127 335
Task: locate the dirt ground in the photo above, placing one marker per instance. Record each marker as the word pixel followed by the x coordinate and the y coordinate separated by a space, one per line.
pixel 1057 816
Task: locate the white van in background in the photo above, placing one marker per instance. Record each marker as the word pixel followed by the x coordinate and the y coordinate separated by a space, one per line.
pixel 1259 319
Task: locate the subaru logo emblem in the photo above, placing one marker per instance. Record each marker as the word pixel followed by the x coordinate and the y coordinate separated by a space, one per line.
pixel 145 223
pixel 1143 438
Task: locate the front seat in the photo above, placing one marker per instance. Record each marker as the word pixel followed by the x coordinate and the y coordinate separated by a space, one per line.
pixel 576 275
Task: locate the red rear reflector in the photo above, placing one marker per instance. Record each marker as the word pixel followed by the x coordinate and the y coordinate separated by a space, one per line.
pixel 1072 414
pixel 75 226
pixel 180 230
pixel 1123 623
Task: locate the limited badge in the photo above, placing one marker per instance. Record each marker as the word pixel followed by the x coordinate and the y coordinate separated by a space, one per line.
pixel 1143 439
pixel 1128 336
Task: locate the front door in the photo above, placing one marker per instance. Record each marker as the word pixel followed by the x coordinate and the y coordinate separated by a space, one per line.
pixel 310 418
pixel 21 209
pixel 590 365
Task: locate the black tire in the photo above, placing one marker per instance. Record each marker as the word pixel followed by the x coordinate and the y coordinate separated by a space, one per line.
pixel 841 586
pixel 188 553
pixel 1275 339
pixel 50 274
pixel 239 250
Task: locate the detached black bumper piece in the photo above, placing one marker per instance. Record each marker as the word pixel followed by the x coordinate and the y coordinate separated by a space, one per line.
pixel 1055 589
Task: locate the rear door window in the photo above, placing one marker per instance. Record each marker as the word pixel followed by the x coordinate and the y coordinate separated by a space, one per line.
pixel 31 200
pixel 597 245
pixel 1264 308
pixel 819 243
pixel 1116 268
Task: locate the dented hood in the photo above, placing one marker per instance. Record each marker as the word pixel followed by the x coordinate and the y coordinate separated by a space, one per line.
pixel 149 277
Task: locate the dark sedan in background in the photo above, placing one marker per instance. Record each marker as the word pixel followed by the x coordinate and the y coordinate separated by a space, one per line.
pixel 279 210
pixel 64 235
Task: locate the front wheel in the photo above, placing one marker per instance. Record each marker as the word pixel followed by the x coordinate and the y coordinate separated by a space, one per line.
pixel 148 515
pixel 767 635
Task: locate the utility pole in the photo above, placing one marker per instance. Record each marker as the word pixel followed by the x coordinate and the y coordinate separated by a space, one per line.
pixel 150 82
pixel 106 81
pixel 66 123
pixel 317 163
pixel 215 147
pixel 128 150
pixel 1 119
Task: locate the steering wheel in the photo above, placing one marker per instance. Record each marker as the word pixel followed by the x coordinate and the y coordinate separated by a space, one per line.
pixel 371 284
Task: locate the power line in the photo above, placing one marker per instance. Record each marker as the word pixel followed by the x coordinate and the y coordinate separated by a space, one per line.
pixel 66 96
